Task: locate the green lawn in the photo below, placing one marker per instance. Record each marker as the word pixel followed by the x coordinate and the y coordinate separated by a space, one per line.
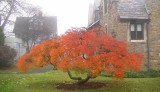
pixel 45 82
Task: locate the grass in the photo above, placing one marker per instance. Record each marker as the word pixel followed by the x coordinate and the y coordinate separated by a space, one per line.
pixel 46 82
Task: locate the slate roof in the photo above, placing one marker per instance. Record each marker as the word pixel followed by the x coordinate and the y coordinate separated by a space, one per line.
pixel 132 9
pixel 22 24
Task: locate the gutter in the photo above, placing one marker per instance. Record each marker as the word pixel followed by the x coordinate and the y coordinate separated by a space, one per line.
pixel 94 23
pixel 148 46
pixel 147 9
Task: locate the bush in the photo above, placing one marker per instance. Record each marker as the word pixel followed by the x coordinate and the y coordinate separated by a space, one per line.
pixel 143 74
pixel 106 75
pixel 133 74
pixel 7 55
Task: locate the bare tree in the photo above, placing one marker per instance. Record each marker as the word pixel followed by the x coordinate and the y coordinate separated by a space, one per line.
pixel 34 30
pixel 13 7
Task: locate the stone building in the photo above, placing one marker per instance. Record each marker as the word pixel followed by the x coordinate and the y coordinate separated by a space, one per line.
pixel 137 22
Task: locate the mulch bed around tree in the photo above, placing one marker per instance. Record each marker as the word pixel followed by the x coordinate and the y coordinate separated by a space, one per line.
pixel 74 86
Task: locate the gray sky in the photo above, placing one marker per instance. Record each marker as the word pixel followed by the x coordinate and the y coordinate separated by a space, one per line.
pixel 70 13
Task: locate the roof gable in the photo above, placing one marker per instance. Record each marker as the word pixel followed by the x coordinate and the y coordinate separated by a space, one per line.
pixel 132 9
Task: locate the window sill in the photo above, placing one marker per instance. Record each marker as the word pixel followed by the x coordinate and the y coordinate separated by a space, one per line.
pixel 137 40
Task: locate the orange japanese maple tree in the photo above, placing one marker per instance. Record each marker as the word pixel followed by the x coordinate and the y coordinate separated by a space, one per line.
pixel 83 51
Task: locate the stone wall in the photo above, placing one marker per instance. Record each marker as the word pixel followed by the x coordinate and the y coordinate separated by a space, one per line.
pixel 121 28
pixel 154 33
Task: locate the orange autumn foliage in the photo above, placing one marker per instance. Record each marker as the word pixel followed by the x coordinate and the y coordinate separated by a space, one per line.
pixel 90 51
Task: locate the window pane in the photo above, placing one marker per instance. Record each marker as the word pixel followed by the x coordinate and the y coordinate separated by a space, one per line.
pixel 140 35
pixel 132 27
pixel 139 27
pixel 136 30
pixel 133 35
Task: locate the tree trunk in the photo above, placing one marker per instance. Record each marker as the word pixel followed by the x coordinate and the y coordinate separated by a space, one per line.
pixel 28 48
pixel 79 79
pixel 9 13
pixel 84 80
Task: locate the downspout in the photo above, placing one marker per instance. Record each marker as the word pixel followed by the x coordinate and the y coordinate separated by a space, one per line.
pixel 148 46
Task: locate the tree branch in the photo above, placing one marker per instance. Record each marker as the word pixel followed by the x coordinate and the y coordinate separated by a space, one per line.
pixel 83 56
pixel 84 80
pixel 73 78
pixel 10 11
pixel 80 80
pixel 4 7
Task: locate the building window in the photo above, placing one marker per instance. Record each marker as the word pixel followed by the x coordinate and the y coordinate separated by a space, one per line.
pixel 136 30
pixel 105 8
